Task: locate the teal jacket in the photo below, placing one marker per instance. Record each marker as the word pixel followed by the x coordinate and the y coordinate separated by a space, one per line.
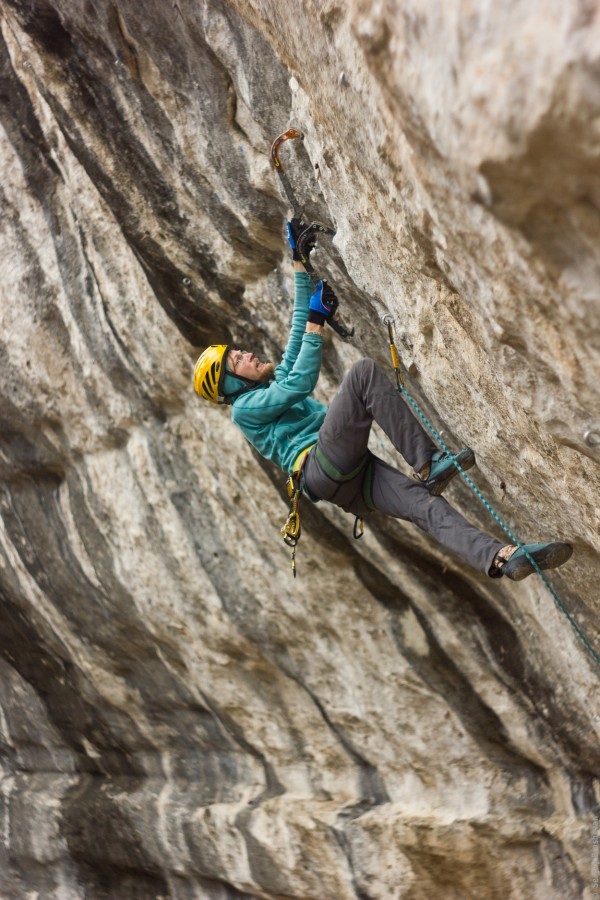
pixel 281 419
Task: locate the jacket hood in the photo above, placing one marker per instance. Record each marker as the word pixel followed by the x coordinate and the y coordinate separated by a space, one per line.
pixel 233 386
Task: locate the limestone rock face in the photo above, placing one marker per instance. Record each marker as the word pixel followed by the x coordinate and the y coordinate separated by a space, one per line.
pixel 179 717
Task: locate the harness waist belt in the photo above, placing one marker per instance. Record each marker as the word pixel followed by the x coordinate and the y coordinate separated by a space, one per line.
pixel 300 459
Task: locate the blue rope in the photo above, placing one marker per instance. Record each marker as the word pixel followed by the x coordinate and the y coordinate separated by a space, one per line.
pixel 504 526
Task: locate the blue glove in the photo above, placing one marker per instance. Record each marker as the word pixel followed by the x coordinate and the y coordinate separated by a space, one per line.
pixel 323 304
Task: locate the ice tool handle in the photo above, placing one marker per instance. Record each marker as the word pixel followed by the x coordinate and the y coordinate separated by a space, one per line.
pixel 311 230
pixel 290 134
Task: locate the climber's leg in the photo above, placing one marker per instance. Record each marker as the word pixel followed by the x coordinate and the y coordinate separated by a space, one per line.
pixel 364 396
pixel 396 495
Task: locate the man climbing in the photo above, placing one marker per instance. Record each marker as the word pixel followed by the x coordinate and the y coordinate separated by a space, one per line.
pixel 274 409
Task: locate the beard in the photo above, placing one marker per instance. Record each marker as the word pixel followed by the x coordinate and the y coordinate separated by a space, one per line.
pixel 267 374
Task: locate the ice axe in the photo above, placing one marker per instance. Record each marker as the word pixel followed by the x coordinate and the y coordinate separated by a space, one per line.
pixel 308 232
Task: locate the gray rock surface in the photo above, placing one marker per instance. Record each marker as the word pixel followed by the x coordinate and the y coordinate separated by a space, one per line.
pixel 179 717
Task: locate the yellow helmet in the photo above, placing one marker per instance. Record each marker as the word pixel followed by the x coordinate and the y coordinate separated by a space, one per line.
pixel 209 372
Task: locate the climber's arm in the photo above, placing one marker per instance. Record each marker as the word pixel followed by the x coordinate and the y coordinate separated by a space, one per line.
pixel 313 328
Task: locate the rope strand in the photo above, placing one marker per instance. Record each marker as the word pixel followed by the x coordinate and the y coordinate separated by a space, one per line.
pixel 595 656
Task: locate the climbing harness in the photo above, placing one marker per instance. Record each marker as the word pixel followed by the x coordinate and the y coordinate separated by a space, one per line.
pixel 366 467
pixel 389 322
pixel 291 531
pixel 310 230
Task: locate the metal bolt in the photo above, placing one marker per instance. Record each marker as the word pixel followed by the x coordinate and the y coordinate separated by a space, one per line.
pixel 186 281
pixel 342 80
pixel 592 437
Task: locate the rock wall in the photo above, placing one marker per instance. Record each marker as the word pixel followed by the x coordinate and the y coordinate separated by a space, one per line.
pixel 179 717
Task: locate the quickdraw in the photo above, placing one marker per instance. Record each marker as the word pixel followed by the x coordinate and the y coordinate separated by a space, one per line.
pixel 291 532
pixel 311 229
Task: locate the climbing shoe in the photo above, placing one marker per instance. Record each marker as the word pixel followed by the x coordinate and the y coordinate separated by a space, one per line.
pixel 442 469
pixel 547 556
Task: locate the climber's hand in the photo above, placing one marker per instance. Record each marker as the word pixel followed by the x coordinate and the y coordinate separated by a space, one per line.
pixel 294 229
pixel 323 304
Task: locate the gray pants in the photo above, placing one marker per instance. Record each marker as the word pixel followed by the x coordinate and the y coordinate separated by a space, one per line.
pixel 366 395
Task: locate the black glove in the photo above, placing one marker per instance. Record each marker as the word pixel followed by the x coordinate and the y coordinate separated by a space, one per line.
pixel 294 229
pixel 323 304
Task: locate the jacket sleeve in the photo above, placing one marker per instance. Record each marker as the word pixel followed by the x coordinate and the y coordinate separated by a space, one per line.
pixel 303 287
pixel 265 405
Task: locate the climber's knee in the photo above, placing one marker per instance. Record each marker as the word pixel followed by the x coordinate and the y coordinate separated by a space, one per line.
pixel 362 369
pixel 426 511
pixel 366 364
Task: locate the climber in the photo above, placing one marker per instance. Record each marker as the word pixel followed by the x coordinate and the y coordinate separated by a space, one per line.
pixel 328 445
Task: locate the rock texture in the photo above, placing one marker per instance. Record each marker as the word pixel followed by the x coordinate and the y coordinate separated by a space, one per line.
pixel 178 716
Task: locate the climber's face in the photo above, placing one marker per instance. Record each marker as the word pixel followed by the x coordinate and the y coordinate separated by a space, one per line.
pixel 247 365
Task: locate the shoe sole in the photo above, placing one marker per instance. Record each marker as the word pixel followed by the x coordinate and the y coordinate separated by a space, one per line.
pixel 436 489
pixel 551 557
